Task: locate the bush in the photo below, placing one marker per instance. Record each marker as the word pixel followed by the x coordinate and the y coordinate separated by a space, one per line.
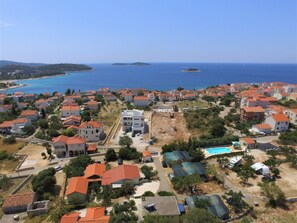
pixel 148 194
pixel 44 181
pixel 5 156
pixel 9 140
pixel 110 155
pixel 165 193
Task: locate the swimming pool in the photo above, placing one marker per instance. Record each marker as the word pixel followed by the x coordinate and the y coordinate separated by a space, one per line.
pixel 218 150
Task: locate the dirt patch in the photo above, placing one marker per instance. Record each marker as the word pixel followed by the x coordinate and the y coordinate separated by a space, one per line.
pixel 211 187
pixel 11 148
pixel 61 182
pixel 167 129
pixel 14 184
pixel 34 156
pixel 288 180
pixel 27 187
pixel 9 166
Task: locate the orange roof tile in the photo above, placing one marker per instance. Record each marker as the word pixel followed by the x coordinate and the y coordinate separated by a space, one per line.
pixel 70 218
pixel 280 118
pixel 29 113
pixel 95 169
pixel 70 108
pixel 78 185
pixel 19 199
pixel 6 124
pixel 92 147
pixel 254 109
pixel 91 123
pixel 120 173
pixel 263 126
pixel 146 153
pixel 141 98
pixel 95 215
pixel 249 140
pixel 69 140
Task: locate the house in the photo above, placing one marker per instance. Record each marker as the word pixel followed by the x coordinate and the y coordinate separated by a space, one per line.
pixel 278 122
pixel 128 97
pixel 92 105
pixel 252 114
pixel 215 205
pixel 29 114
pixel 65 146
pixel 5 127
pixel 92 148
pixel 5 108
pixel 133 120
pixel 94 172
pixel 15 126
pixel 15 203
pixel 72 120
pixel 141 101
pixel 120 174
pixel 92 215
pixel 247 143
pixel 41 103
pixel 261 128
pixel 22 105
pixel 109 97
pixel 29 97
pixel 165 206
pixel 76 191
pixel 147 156
pixel 292 115
pixel 67 111
pixel 91 131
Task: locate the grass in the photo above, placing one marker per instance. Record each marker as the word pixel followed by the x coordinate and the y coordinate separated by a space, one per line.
pixel 109 114
pixel 36 219
pixel 11 148
pixel 15 183
pixel 9 166
pixel 27 187
pixel 191 104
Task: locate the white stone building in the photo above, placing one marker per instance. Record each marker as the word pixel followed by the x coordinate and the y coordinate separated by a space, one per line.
pixel 133 120
pixel 91 131
pixel 278 122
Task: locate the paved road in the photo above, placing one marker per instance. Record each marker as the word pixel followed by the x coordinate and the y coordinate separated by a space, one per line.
pixel 164 184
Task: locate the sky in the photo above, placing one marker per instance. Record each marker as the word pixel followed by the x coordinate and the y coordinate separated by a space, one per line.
pixel 106 31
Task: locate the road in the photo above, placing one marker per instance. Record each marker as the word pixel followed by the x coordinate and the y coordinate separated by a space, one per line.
pixel 164 184
pixel 266 139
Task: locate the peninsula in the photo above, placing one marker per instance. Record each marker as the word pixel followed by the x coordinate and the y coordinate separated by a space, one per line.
pixel 15 70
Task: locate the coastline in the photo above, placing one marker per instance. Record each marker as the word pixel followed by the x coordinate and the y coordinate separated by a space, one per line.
pixel 13 87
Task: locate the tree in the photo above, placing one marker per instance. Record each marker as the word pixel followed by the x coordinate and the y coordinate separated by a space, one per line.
pixel 275 196
pixel 106 195
pixel 165 193
pixel 197 215
pixel 44 181
pixel 43 123
pixel 148 194
pixel 28 130
pixel 197 155
pixel 59 208
pixel 185 184
pixel 77 166
pixel 127 189
pixel 68 132
pixel 218 129
pixel 53 132
pixel 125 141
pixel 234 199
pixel 129 154
pixel 148 172
pixel 68 92
pixel 110 155
pixel 5 182
pixel 49 151
pixel 180 88
pixel 123 213
pixel 9 140
pixel 42 112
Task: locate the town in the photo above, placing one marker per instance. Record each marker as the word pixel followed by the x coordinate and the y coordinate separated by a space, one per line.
pixel 226 153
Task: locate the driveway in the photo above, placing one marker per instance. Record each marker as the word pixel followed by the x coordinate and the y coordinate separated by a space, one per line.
pixel 164 181
pixel 266 139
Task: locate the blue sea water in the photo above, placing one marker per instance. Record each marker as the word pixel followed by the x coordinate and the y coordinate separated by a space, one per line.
pixel 161 76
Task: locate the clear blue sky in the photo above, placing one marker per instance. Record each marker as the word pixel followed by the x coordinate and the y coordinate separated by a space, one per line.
pixel 98 31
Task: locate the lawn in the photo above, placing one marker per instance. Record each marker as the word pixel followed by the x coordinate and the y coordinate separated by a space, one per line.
pixel 11 148
pixel 109 114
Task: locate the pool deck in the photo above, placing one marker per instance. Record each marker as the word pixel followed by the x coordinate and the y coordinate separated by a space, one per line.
pixel 232 150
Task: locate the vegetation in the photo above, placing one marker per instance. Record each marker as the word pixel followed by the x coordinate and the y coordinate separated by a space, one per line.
pixel 289 137
pixel 197 215
pixel 110 155
pixel 44 181
pixel 186 184
pixel 25 71
pixel 148 194
pixel 58 209
pixel 124 213
pixel 129 154
pixel 165 193
pixel 9 140
pixel 5 156
pixel 77 166
pixel 234 199
pixel 148 172
pixel 275 196
pixel 125 141
pixel 5 182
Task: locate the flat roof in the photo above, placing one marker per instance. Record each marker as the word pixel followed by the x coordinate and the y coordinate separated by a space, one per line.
pixel 164 206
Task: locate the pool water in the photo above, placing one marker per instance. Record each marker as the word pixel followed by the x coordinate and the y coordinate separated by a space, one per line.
pixel 218 150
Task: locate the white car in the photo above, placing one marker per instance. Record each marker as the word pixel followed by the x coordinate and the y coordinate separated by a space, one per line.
pixel 57 168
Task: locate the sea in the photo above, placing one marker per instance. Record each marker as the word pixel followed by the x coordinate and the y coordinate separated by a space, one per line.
pixel 160 76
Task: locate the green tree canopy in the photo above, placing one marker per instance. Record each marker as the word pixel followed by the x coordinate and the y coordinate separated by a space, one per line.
pixel 125 141
pixel 197 215
pixel 44 181
pixel 111 155
pixel 77 166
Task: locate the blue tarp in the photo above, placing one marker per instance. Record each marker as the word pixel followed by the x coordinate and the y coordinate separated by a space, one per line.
pixel 181 208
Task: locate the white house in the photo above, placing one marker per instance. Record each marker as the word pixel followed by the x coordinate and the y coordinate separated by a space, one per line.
pixel 128 97
pixel 67 111
pixel 133 120
pixel 292 115
pixel 69 146
pixel 91 131
pixel 19 124
pixel 141 101
pixel 261 128
pixel 29 114
pixel 278 122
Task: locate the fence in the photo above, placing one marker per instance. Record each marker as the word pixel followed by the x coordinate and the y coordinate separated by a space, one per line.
pixel 21 185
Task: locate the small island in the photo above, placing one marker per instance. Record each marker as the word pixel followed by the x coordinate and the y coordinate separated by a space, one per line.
pixel 132 64
pixel 190 70
pixel 16 70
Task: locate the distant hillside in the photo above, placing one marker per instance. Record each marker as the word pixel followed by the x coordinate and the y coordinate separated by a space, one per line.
pixel 132 64
pixel 20 71
pixel 8 62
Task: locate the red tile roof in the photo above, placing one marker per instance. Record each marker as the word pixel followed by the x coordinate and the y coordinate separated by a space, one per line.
pixel 121 172
pixel 19 199
pixel 254 109
pixel 70 108
pixel 249 140
pixel 78 185
pixel 141 98
pixel 69 140
pixel 95 215
pixel 146 153
pixel 70 218
pixel 6 124
pixel 92 147
pixel 280 118
pixel 91 123
pixel 29 113
pixel 263 126
pixel 96 169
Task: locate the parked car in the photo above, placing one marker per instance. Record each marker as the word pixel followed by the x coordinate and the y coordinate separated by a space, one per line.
pixel 120 161
pixel 57 168
pixel 171 176
pixel 164 164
